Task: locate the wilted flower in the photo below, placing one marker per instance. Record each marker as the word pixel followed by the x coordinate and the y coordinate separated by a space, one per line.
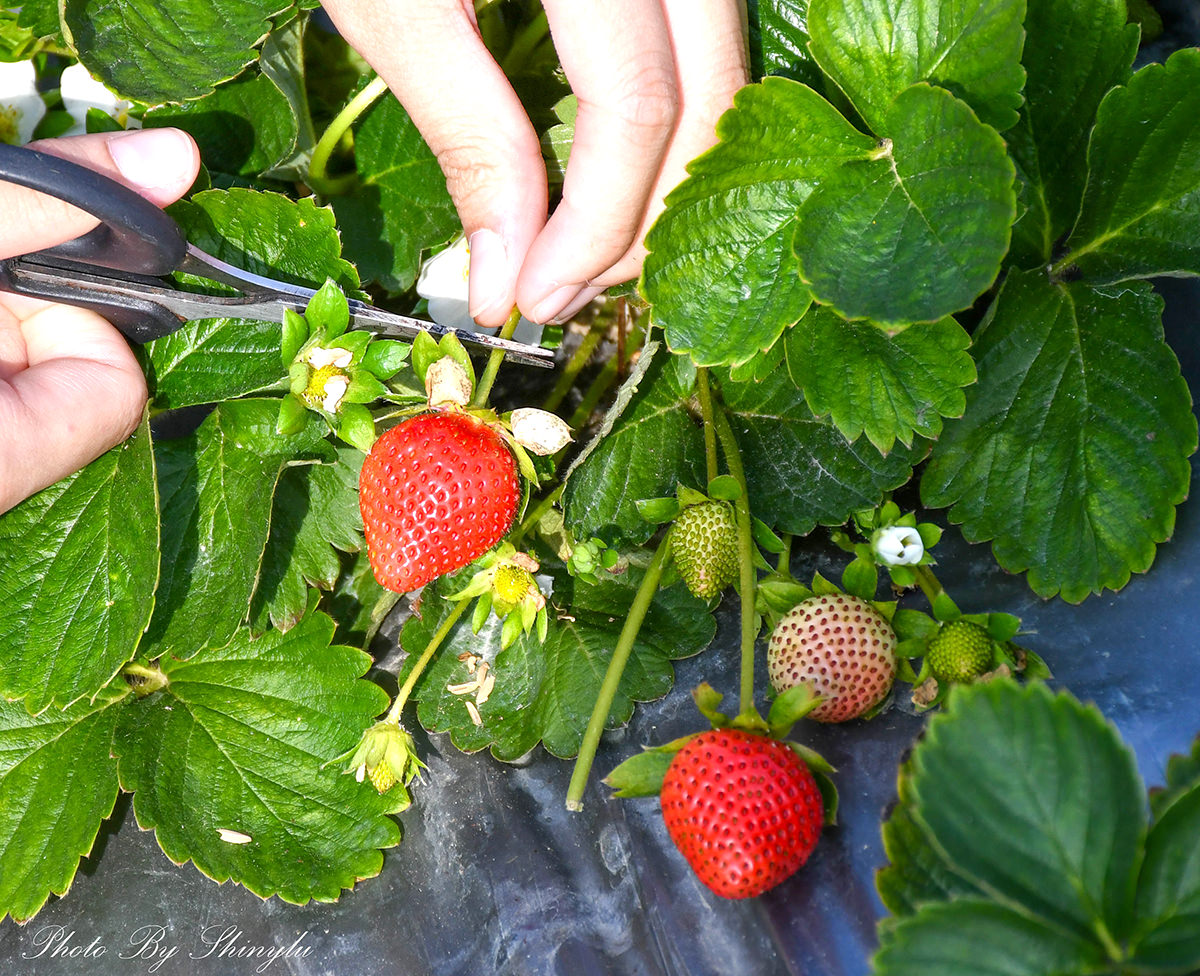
pixel 898 545
pixel 539 431
pixel 21 107
pixel 387 756
pixel 505 584
pixel 443 284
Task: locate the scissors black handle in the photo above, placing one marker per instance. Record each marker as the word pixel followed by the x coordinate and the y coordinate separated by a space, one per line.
pixel 134 235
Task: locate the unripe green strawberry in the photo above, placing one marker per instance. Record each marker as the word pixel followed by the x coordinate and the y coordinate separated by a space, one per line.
pixel 743 809
pixel 841 647
pixel 704 544
pixel 960 652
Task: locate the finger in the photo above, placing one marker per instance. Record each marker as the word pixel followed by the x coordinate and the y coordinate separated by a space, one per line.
pixel 708 39
pixel 81 393
pixel 430 55
pixel 159 163
pixel 617 56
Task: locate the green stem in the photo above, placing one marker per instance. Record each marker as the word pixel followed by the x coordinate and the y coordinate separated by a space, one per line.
pixel 612 677
pixel 524 44
pixel 733 460
pixel 536 514
pixel 706 411
pixel 483 388
pixel 318 168
pixel 928 583
pixel 784 566
pixel 600 386
pixel 573 368
pixel 435 642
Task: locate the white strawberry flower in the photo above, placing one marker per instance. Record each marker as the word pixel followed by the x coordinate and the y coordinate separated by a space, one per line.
pixel 443 284
pixel 80 92
pixel 21 107
pixel 898 545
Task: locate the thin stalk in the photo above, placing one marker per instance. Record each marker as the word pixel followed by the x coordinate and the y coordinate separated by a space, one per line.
pixel 600 386
pixel 318 168
pixel 612 677
pixel 435 642
pixel 706 411
pixel 784 566
pixel 525 43
pixel 535 516
pixel 733 461
pixel 928 583
pixel 483 388
pixel 573 368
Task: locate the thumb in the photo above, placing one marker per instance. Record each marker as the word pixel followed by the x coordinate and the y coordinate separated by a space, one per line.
pixel 160 164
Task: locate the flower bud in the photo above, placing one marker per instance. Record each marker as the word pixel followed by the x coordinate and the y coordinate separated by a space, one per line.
pixel 898 545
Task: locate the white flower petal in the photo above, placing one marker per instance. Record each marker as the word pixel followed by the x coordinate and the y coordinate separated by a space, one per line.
pixel 80 92
pixel 898 545
pixel 443 284
pixel 21 107
pixel 335 389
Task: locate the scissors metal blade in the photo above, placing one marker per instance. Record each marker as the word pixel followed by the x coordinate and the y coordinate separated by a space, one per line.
pixel 362 314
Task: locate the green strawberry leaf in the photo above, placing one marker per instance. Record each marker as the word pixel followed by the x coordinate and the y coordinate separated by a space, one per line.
pixel 1168 898
pixel 77 578
pixel 647 444
pixel 916 872
pixel 58 782
pixel 545 691
pixel 779 41
pixel 799 470
pixel 1064 825
pixel 1075 51
pixel 243 128
pixel 139 48
pixel 875 49
pixel 40 17
pixel 314 516
pixel 984 938
pixel 1073 449
pixel 887 387
pixel 919 230
pixel 400 206
pixel 217 487
pixel 357 602
pixel 1140 214
pixel 720 274
pixel 240 739
pixel 210 360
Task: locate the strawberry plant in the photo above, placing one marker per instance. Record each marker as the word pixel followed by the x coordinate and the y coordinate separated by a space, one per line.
pixel 909 290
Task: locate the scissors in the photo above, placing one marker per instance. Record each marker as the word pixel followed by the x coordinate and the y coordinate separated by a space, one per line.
pixel 118 268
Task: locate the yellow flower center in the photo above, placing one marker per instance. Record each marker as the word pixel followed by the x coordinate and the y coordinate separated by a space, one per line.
pixel 9 117
pixel 315 394
pixel 512 585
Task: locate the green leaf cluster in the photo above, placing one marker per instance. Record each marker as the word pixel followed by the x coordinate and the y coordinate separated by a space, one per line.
pixel 939 214
pixel 1008 856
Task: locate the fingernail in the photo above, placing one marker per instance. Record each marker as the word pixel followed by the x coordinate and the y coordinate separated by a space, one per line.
pixel 151 158
pixel 553 303
pixel 585 298
pixel 488 285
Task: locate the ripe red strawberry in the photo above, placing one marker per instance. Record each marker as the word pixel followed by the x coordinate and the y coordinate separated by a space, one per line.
pixel 436 491
pixel 743 809
pixel 842 647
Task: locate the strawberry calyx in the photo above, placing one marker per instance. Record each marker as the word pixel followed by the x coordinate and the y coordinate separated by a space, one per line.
pixel 333 372
pixel 386 755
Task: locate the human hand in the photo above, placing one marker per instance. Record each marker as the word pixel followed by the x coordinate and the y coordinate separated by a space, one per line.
pixel 651 77
pixel 70 387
